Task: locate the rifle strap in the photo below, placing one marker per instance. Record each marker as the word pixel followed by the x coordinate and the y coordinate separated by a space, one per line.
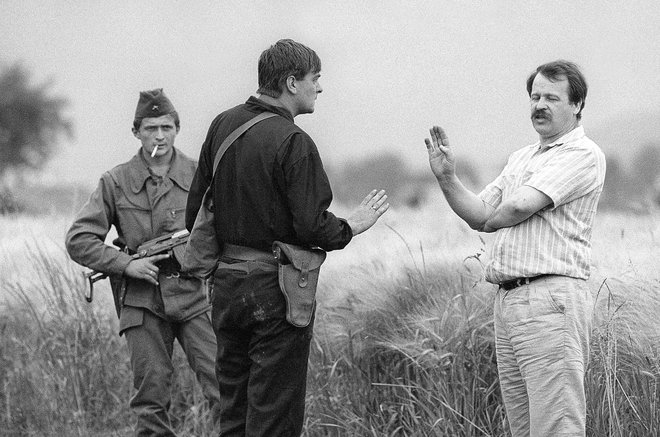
pixel 234 136
pixel 202 252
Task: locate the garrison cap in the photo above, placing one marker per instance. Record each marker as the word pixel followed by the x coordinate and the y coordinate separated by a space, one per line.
pixel 153 103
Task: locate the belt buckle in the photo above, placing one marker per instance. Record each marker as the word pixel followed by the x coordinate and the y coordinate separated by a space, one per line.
pixel 515 283
pixel 522 281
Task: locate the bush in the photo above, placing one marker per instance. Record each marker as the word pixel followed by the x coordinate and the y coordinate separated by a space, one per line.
pixel 9 204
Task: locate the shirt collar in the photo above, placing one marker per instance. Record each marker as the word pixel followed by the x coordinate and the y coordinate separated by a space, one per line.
pixel 573 135
pixel 259 105
pixel 139 173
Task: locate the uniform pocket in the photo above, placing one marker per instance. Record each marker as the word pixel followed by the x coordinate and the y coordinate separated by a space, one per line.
pixel 174 219
pixel 135 222
pixel 130 318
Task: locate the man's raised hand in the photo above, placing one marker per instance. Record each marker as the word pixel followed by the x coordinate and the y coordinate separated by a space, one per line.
pixel 441 156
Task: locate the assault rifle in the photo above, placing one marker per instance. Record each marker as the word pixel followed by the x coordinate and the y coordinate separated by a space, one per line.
pixel 159 245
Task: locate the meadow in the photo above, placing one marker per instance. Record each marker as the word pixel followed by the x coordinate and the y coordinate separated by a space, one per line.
pixel 403 340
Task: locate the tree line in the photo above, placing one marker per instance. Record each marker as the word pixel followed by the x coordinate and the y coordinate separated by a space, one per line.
pixel 33 123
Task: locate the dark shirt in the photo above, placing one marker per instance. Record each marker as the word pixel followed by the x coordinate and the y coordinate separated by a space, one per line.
pixel 270 184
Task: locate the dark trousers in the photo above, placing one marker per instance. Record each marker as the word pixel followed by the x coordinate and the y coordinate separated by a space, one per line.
pixel 151 345
pixel 261 364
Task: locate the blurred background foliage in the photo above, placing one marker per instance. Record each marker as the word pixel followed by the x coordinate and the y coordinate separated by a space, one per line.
pixel 33 123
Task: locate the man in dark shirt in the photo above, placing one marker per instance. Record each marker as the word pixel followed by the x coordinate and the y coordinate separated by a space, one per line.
pixel 270 185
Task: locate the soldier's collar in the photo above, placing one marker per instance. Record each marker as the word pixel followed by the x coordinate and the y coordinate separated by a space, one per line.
pixel 140 172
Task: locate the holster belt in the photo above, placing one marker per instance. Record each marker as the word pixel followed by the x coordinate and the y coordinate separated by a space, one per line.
pixel 245 253
pixel 252 259
pixel 514 283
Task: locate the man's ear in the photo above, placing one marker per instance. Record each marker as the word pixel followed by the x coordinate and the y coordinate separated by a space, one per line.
pixel 290 84
pixel 577 108
pixel 136 134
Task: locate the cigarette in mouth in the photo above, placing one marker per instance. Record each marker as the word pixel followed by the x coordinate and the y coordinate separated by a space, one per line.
pixel 153 152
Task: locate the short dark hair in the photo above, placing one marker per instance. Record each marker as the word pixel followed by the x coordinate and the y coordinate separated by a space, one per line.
pixel 283 59
pixel 558 70
pixel 137 122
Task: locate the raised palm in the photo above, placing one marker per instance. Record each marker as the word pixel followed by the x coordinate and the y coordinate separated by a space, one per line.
pixel 441 156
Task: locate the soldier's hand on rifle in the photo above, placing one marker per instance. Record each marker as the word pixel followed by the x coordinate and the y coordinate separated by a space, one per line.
pixel 145 268
pixel 368 212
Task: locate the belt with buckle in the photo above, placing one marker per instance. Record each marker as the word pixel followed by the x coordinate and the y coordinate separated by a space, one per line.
pixel 514 283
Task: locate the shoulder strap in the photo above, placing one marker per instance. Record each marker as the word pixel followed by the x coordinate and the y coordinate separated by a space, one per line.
pixel 237 133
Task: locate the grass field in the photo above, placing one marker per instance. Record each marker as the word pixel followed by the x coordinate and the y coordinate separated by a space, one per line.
pixel 403 337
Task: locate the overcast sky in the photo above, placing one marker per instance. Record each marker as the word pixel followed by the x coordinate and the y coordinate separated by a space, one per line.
pixel 390 69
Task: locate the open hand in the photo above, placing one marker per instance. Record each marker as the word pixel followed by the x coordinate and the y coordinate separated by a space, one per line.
pixel 369 211
pixel 145 268
pixel 441 156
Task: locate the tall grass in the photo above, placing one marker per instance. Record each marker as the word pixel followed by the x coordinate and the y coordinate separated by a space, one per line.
pixel 416 358
pixel 403 342
pixel 413 349
pixel 622 381
pixel 63 368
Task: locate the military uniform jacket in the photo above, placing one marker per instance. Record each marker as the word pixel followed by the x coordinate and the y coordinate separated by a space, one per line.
pixel 122 199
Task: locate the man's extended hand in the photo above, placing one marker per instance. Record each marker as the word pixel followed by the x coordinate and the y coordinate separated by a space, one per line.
pixel 462 201
pixel 145 268
pixel 368 212
pixel 441 156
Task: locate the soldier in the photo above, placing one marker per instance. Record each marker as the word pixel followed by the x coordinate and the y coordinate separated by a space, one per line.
pixel 145 198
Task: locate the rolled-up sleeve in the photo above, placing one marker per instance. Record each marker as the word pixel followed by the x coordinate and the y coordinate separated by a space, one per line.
pixel 570 175
pixel 492 193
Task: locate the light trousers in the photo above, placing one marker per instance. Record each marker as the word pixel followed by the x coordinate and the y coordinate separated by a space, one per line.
pixel 542 332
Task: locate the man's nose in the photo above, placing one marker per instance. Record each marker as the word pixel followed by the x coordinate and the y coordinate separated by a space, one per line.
pixel 541 103
pixel 160 133
pixel 319 88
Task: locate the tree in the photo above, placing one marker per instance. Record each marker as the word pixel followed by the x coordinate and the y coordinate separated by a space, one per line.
pixel 647 173
pixel 646 165
pixel 618 190
pixel 31 121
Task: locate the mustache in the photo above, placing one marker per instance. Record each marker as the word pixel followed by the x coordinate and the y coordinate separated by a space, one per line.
pixel 540 113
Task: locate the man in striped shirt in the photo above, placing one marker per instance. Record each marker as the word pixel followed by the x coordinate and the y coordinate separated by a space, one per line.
pixel 541 209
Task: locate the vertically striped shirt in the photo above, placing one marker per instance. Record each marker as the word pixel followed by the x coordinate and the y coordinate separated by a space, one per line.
pixel 557 239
